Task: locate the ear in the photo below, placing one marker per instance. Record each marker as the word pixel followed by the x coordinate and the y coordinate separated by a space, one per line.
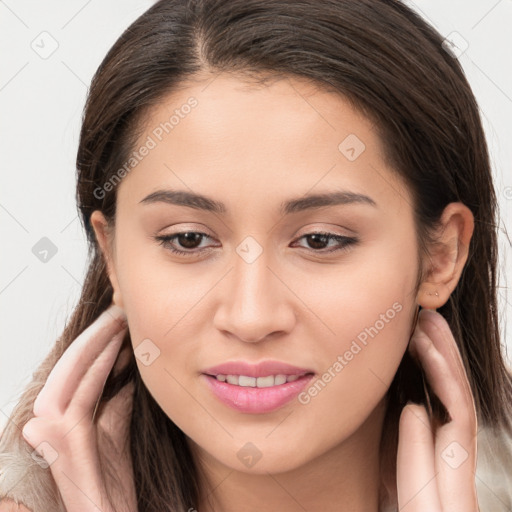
pixel 447 256
pixel 105 237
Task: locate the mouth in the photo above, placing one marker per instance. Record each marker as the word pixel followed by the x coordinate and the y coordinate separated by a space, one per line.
pixel 256 395
pixel 268 381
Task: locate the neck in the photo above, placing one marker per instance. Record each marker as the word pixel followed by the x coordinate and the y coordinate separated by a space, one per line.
pixel 346 477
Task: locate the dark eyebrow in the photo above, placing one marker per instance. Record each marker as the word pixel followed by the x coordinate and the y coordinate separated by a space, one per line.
pixel 184 198
pixel 201 202
pixel 326 199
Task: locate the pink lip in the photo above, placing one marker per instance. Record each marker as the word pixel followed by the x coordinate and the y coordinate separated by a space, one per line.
pixel 256 400
pixel 262 369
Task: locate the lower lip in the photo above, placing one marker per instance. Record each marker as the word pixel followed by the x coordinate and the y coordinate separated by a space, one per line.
pixel 256 400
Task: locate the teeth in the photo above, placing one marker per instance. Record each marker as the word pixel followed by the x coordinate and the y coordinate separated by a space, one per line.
pixel 232 379
pixel 260 382
pixel 265 382
pixel 280 379
pixel 246 381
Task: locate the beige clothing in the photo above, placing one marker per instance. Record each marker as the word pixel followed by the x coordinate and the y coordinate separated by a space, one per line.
pixel 494 471
pixel 24 480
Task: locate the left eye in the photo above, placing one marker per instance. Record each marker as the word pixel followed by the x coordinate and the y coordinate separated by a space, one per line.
pixel 322 238
pixel 189 239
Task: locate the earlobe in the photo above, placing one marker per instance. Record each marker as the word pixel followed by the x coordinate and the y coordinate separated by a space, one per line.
pixel 446 257
pixel 104 239
pixel 116 301
pixel 429 296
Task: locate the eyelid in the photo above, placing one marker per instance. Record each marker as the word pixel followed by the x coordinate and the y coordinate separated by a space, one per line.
pixel 345 241
pixel 185 228
pixel 329 227
pixel 327 231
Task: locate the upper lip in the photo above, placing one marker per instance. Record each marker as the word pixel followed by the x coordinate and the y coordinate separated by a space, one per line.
pixel 261 369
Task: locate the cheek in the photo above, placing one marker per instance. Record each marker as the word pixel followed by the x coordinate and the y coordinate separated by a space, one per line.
pixel 163 325
pixel 163 305
pixel 366 310
pixel 166 310
pixel 158 294
pixel 360 360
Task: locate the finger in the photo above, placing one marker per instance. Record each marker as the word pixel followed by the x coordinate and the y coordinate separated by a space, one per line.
pixel 124 357
pixel 111 443
pixel 416 474
pixel 455 442
pixel 73 466
pixel 113 417
pixel 455 392
pixel 91 385
pixel 64 378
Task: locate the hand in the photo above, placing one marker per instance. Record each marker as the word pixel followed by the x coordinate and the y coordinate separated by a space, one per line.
pixel 436 464
pixel 69 440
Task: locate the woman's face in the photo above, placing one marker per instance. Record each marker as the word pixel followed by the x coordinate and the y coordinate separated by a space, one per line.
pixel 255 287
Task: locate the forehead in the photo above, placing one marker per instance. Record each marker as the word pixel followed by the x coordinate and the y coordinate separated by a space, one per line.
pixel 224 135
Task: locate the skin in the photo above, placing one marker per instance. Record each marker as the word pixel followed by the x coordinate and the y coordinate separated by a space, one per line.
pixel 215 306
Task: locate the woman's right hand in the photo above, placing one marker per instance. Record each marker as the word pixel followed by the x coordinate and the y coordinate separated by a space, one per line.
pixel 63 430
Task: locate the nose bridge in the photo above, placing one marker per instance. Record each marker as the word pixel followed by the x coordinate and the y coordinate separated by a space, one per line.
pixel 251 277
pixel 254 303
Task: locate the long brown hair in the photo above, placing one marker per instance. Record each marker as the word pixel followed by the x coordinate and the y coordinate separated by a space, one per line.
pixel 392 66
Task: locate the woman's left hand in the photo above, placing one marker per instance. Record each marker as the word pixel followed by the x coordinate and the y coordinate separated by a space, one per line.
pixel 436 464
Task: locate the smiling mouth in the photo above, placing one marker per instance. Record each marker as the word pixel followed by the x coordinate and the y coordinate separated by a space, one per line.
pixel 258 382
pixel 257 395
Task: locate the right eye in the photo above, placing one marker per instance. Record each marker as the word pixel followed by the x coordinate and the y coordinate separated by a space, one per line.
pixel 186 239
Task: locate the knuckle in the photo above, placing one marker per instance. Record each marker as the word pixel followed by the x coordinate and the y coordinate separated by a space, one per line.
pixel 41 407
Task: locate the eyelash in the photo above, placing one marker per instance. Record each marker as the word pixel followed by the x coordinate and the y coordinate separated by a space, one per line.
pixel 165 241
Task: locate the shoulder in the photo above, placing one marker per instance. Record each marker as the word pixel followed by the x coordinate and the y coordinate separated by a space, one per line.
pixel 7 505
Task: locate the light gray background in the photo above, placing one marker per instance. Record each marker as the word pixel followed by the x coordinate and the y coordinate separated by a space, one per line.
pixel 41 101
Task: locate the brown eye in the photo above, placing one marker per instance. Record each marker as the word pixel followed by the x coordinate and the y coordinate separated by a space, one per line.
pixel 188 240
pixel 187 243
pixel 319 240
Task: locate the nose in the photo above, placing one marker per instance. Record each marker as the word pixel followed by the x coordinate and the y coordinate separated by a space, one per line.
pixel 255 302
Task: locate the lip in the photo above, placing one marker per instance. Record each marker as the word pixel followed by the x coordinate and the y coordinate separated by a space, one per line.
pixel 262 369
pixel 256 400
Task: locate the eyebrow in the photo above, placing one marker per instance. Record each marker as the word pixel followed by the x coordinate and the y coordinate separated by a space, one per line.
pixel 307 202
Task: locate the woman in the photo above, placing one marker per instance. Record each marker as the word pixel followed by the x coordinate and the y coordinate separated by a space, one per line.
pixel 233 155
